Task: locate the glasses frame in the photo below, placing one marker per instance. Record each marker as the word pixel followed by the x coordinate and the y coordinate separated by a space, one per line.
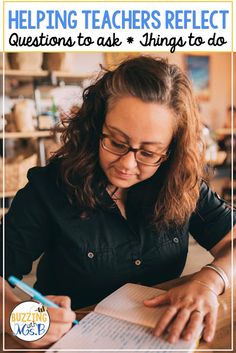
pixel 163 157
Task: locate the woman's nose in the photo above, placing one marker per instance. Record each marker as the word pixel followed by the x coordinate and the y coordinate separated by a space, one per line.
pixel 128 161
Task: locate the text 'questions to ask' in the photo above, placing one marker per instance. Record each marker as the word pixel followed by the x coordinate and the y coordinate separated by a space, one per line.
pixel 149 21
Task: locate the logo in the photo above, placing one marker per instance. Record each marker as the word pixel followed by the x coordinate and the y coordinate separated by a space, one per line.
pixel 29 321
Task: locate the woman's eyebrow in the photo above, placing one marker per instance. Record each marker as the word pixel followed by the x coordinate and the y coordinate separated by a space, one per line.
pixel 112 128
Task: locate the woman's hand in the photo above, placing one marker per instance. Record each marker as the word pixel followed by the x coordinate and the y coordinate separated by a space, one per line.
pixel 190 305
pixel 60 322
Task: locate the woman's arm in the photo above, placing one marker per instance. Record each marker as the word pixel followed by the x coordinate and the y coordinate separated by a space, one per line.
pixel 195 302
pixel 222 253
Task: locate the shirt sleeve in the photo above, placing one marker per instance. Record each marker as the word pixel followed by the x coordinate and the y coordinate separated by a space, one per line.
pixel 212 219
pixel 25 234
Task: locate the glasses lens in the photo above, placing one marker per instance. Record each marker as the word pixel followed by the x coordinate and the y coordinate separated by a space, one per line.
pixel 148 157
pixel 114 146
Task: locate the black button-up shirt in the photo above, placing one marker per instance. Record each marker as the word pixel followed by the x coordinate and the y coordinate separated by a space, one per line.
pixel 87 259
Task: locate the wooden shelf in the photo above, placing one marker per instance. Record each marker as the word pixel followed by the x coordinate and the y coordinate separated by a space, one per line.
pixel 225 131
pixel 8 194
pixel 30 75
pixel 3 211
pixel 66 74
pixel 29 134
pixel 220 158
pixel 24 74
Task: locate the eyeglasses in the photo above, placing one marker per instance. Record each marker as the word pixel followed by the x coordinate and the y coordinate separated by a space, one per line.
pixel 110 144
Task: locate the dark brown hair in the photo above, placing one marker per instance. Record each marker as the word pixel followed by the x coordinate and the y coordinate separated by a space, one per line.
pixel 151 80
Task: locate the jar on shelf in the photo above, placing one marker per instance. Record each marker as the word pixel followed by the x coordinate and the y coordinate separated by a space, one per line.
pixel 23 114
pixel 24 61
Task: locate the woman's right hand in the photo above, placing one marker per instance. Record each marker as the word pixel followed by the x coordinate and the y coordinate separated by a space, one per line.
pixel 60 322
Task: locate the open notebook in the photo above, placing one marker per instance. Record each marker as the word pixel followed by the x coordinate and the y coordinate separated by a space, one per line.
pixel 121 321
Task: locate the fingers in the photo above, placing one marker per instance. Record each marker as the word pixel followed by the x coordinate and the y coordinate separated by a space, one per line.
pixel 176 321
pixel 186 323
pixel 63 314
pixel 210 325
pixel 178 325
pixel 158 300
pixel 61 300
pixel 165 320
pixel 194 325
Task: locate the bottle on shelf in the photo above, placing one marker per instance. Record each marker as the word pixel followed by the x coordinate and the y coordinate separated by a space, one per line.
pixel 47 120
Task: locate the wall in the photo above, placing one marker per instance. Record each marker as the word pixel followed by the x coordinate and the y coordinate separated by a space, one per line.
pixel 213 111
pixel 220 88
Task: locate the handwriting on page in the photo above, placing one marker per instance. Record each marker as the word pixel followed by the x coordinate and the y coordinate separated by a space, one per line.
pixel 127 304
pixel 99 331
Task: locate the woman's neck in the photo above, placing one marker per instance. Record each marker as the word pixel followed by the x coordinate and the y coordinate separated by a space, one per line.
pixel 117 193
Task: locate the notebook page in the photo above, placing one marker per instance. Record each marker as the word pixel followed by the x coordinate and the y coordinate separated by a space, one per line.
pixel 126 303
pixel 97 331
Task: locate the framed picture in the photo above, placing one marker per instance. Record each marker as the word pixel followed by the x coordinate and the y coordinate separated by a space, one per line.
pixel 198 68
pixel 113 59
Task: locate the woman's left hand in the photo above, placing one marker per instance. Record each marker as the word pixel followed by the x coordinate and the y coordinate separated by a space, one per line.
pixel 189 306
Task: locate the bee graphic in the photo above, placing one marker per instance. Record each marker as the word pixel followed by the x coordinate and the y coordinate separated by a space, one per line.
pixel 41 309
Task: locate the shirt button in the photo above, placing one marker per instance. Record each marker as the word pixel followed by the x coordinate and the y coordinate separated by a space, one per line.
pixel 137 262
pixel 90 254
pixel 176 240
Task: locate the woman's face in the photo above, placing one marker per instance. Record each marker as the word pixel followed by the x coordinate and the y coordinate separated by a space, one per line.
pixel 138 124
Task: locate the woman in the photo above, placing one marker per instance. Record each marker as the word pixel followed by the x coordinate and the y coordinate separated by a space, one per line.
pixel 117 201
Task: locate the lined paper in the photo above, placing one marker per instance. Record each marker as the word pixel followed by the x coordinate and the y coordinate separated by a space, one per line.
pixel 98 331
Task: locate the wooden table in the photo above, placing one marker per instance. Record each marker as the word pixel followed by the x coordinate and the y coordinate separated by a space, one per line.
pixel 224 330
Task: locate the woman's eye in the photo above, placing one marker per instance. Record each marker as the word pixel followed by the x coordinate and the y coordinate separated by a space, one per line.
pixel 118 145
pixel 147 154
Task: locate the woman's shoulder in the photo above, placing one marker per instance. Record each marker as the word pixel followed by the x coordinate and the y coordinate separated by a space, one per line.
pixel 207 196
pixel 45 180
pixel 46 174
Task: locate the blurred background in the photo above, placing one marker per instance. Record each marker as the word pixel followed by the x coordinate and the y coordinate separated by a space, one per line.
pixel 41 89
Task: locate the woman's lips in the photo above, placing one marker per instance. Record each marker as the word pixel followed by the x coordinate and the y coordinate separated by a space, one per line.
pixel 123 175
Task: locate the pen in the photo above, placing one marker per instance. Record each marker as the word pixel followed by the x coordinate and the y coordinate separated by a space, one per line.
pixel 34 293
